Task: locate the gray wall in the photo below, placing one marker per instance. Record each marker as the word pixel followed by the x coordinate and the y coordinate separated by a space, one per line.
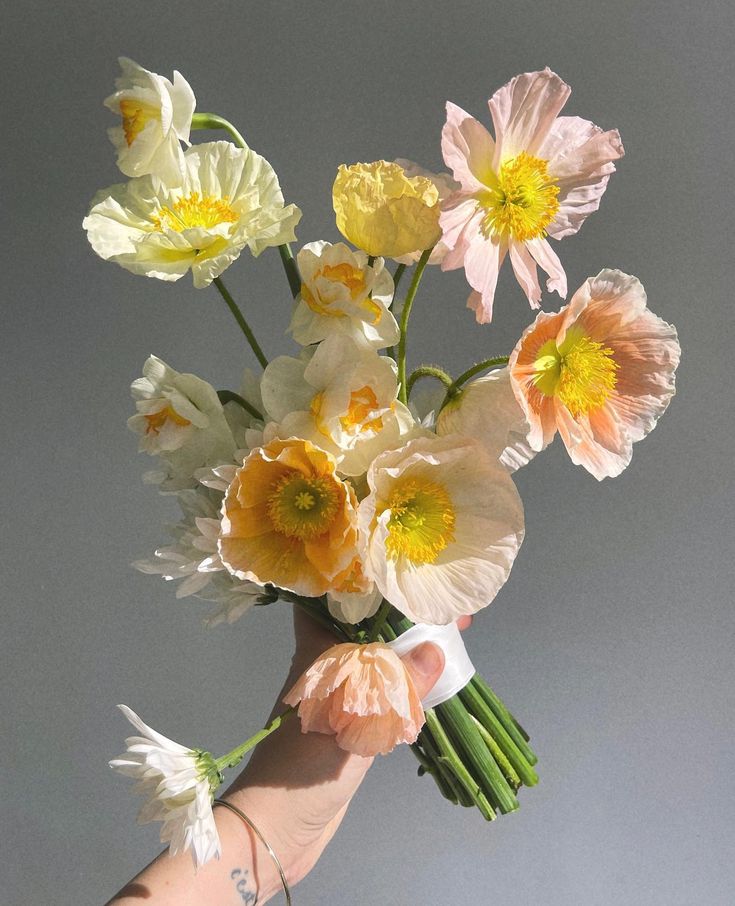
pixel 613 638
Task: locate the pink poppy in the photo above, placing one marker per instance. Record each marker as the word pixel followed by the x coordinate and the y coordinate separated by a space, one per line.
pixel 600 372
pixel 362 693
pixel 542 175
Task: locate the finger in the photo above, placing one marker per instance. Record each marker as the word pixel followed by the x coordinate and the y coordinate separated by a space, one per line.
pixel 425 663
pixel 464 622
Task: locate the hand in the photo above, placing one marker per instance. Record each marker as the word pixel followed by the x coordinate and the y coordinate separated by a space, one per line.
pixel 297 786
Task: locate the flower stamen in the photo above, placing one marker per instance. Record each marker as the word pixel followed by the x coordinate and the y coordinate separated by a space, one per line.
pixel 195 210
pixel 301 507
pixel 525 200
pixel 422 520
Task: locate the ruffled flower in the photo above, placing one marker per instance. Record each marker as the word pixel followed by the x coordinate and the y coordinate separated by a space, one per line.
pixel 363 694
pixel 354 596
pixel 178 784
pixel 542 175
pixel 180 419
pixel 156 117
pixel 227 198
pixel 342 398
pixel 445 186
pixel 440 528
pixel 385 212
pixel 341 294
pixel 487 410
pixel 600 372
pixel 288 520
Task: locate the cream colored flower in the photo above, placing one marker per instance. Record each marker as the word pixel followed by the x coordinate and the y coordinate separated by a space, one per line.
pixel 228 198
pixel 342 398
pixel 288 520
pixel 487 410
pixel 354 596
pixel 156 117
pixel 383 211
pixel 179 418
pixel 440 528
pixel 341 294
pixel 178 784
pixel 362 694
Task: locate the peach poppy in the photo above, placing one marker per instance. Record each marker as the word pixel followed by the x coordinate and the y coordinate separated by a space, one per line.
pixel 287 519
pixel 362 693
pixel 600 372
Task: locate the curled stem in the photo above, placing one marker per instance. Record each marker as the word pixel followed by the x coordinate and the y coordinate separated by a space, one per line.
pixel 484 365
pixel 428 371
pixel 229 396
pixel 214 121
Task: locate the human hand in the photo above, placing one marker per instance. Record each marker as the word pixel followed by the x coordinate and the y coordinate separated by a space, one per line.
pixel 297 786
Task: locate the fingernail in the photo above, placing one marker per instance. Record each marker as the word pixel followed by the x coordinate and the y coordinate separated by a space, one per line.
pixel 427 659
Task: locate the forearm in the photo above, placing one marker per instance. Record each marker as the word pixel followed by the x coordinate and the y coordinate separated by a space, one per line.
pixel 244 873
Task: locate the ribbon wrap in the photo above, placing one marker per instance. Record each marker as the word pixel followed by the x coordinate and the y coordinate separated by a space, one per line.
pixel 458 668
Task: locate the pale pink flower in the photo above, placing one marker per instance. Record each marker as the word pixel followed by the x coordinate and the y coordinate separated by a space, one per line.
pixel 363 694
pixel 600 372
pixel 542 175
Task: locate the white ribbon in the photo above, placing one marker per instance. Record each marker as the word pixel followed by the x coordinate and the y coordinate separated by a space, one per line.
pixel 458 668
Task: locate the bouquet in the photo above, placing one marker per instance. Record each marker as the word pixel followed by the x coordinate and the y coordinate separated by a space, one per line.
pixel 319 481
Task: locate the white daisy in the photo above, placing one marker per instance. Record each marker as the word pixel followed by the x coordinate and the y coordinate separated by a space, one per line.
pixel 178 784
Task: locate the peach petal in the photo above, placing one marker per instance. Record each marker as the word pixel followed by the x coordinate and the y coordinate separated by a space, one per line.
pixel 363 695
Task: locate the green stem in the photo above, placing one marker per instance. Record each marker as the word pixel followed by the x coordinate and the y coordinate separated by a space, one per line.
pixel 428 371
pixel 237 754
pixel 213 121
pixel 292 271
pixel 229 396
pixel 405 314
pixel 510 724
pixel 399 272
pixel 312 607
pixel 240 318
pixel 454 388
pixel 379 620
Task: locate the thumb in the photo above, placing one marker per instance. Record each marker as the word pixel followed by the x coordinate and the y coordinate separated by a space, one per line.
pixel 425 664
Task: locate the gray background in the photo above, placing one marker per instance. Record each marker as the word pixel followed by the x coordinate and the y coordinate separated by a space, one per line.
pixel 613 639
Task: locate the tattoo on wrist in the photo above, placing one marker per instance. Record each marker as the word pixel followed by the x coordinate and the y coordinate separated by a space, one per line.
pixel 242 886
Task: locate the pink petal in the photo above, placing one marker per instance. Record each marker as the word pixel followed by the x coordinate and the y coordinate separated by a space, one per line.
pixel 548 260
pixel 482 266
pixel 459 220
pixel 580 157
pixel 524 268
pixel 468 149
pixel 524 111
pixel 586 442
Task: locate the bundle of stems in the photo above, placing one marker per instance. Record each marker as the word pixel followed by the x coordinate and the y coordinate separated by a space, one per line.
pixel 473 747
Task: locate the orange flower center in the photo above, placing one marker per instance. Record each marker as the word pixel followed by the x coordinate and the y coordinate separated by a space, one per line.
pixel 347 275
pixel 195 210
pixel 135 115
pixel 303 507
pixel 581 373
pixel 363 402
pixel 422 520
pixel 156 420
pixel 523 202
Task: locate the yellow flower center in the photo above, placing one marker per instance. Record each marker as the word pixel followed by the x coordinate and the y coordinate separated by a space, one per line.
pixel 195 210
pixel 134 118
pixel 301 507
pixel 581 372
pixel 524 201
pixel 421 520
pixel 156 420
pixel 357 419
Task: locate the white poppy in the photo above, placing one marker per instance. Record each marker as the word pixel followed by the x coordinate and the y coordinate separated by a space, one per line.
pixel 440 528
pixel 227 198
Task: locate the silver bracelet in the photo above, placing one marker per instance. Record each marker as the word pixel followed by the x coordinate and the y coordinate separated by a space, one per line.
pixel 254 829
